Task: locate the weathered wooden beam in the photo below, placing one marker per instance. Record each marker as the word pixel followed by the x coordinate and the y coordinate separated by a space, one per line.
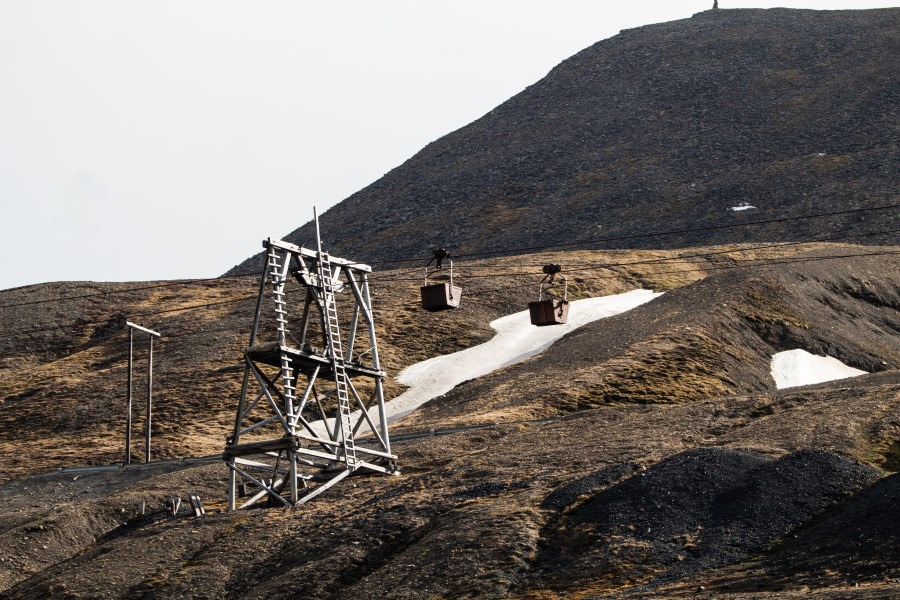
pixel 144 329
pixel 314 255
pixel 260 447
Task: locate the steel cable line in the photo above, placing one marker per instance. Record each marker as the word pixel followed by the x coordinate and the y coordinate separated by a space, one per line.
pixel 667 260
pixel 721 252
pixel 507 273
pixel 508 250
pixel 650 234
pixel 710 268
pixel 662 233
pixel 486 266
pixel 393 276
pixel 756 263
pixel 124 291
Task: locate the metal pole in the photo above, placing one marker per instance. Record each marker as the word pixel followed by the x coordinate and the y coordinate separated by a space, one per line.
pixel 128 402
pixel 376 364
pixel 149 401
pixel 253 331
pixel 293 475
pixel 235 437
pixel 318 233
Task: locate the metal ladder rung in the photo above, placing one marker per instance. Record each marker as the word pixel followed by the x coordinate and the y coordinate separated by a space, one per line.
pixel 335 348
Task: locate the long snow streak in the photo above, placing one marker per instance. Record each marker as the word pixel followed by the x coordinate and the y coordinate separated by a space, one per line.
pixel 516 340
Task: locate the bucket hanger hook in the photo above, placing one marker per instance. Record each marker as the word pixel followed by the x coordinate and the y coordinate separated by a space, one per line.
pixel 550 272
pixel 437 256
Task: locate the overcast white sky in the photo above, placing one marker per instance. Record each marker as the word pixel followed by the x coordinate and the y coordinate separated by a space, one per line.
pixel 164 139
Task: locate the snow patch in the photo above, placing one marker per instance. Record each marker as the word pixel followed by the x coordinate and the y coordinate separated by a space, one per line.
pixel 742 206
pixel 798 367
pixel 516 340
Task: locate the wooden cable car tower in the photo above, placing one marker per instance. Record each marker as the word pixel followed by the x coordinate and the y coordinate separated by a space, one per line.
pixel 289 447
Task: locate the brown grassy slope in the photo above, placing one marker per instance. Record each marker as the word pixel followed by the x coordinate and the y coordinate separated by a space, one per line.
pixel 494 512
pixel 63 369
pixel 64 378
pixel 712 338
pixel 63 365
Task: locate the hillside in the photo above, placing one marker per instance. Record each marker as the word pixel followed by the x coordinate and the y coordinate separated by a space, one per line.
pixel 660 128
pixel 713 338
pixel 63 365
pixel 644 454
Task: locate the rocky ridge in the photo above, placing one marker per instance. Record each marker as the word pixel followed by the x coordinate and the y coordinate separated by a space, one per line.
pixel 662 128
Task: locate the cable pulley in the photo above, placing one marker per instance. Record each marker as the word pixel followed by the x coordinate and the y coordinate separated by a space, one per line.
pixel 437 256
pixel 551 272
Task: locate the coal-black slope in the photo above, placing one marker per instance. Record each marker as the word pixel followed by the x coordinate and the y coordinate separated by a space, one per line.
pixel 659 128
pixel 698 509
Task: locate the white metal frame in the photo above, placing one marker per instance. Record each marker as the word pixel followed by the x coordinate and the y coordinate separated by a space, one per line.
pixel 286 447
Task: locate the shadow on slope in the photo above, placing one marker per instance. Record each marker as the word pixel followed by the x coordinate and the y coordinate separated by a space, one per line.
pixel 858 541
pixel 698 509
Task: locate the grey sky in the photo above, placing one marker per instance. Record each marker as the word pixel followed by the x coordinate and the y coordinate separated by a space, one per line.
pixel 161 140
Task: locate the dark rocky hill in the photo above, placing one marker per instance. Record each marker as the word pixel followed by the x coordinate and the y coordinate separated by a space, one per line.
pixel 660 128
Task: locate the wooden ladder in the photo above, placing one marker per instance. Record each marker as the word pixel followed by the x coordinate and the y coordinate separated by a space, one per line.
pixel 335 348
pixel 279 277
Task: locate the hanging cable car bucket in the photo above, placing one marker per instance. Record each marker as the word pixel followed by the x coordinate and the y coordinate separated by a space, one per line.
pixel 552 311
pixel 440 296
